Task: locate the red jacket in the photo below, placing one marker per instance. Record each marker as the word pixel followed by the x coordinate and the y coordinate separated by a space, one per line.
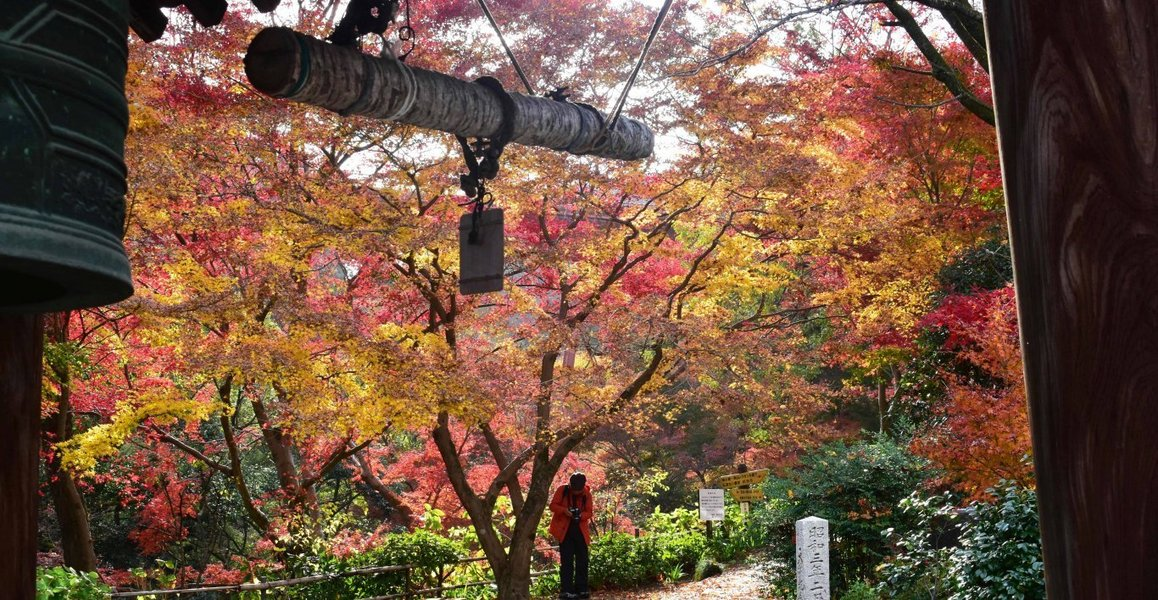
pixel 561 505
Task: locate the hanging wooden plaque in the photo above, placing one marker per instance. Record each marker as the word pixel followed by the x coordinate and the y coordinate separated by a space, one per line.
pixel 480 252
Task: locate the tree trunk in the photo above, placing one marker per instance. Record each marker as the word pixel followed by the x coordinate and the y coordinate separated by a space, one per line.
pixel 1075 90
pixel 516 580
pixel 21 350
pixel 236 473
pixel 75 534
pixel 286 64
pixel 278 444
pixel 399 512
pixel 883 406
pixel 516 584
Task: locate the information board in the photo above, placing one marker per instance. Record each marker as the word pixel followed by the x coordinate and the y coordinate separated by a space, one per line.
pixel 711 504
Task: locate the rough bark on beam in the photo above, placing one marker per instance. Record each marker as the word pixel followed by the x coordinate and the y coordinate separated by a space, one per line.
pixel 1075 90
pixel 286 64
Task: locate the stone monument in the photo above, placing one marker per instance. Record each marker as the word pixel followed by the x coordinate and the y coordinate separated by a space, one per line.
pixel 812 559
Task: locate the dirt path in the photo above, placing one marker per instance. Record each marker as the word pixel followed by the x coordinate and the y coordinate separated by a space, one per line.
pixel 739 582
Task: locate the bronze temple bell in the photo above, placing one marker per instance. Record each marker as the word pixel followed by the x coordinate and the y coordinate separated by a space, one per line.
pixel 63 120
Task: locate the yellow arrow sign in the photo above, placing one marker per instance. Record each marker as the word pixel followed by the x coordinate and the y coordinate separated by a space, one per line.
pixel 747 494
pixel 739 479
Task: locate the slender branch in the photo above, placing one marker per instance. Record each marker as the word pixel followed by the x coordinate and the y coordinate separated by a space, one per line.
pixel 209 462
pixel 479 517
pixel 755 38
pixel 340 454
pixel 500 457
pixel 571 437
pixel 695 266
pixel 905 69
pixel 908 105
pixel 255 514
pixel 942 71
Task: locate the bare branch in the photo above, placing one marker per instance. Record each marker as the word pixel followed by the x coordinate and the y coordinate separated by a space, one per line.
pixel 909 105
pixel 942 71
pixel 190 450
pixel 572 436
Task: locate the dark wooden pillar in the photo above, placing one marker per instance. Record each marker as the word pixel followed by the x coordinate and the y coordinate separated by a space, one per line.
pixel 21 347
pixel 1076 89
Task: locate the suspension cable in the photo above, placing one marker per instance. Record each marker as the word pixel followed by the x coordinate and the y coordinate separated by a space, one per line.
pixel 659 19
pixel 503 41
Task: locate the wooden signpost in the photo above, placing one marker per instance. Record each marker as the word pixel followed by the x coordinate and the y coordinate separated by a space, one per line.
pixel 742 478
pixel 746 495
pixel 739 487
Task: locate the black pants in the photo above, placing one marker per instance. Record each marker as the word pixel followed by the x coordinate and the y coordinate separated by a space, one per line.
pixel 573 566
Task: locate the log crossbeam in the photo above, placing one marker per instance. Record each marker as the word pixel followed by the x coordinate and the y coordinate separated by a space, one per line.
pixel 286 64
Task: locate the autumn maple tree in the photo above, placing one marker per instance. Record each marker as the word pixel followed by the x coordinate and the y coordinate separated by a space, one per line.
pixel 985 412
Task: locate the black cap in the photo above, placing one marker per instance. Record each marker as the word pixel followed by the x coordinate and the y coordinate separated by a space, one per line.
pixel 578 480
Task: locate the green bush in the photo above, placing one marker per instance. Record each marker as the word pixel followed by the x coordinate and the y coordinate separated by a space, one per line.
pixel 736 535
pixel 65 583
pixel 707 568
pixel 999 554
pixel 855 487
pixel 622 560
pixel 425 550
pixel 680 520
pixel 546 586
pixel 920 569
pixel 679 550
pixel 674 542
pixel 860 590
pixel 681 538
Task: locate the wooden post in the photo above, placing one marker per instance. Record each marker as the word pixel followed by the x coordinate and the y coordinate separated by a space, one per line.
pixel 21 348
pixel 286 64
pixel 1076 91
pixel 743 468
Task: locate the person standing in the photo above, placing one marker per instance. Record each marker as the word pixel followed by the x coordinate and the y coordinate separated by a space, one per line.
pixel 571 511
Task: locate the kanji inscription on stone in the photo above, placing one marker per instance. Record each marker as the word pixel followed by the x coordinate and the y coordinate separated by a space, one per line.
pixel 812 559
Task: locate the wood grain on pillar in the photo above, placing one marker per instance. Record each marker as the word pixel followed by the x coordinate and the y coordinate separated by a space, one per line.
pixel 1076 91
pixel 21 346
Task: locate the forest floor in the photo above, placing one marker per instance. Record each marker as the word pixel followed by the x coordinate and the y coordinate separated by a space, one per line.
pixel 740 581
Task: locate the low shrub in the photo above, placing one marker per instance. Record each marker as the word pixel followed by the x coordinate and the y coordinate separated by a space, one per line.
pixel 679 550
pixel 622 560
pixel 706 568
pixel 425 550
pixel 737 535
pixel 920 568
pixel 861 590
pixel 998 554
pixel 674 542
pixel 65 583
pixel 546 586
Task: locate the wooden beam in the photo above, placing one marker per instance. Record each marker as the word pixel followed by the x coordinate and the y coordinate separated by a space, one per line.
pixel 1076 89
pixel 21 349
pixel 286 64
